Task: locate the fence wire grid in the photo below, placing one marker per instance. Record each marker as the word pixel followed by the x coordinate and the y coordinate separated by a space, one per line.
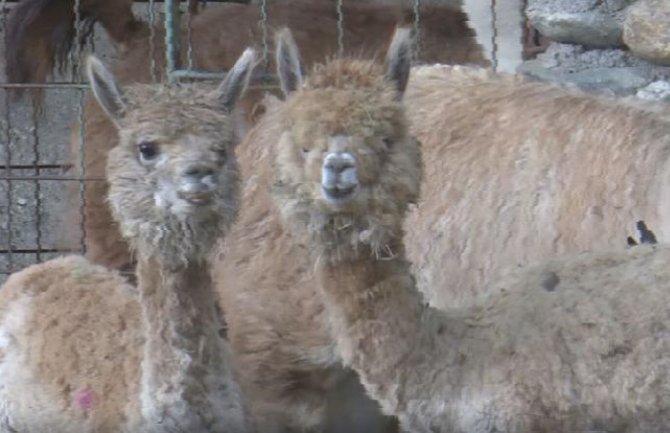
pixel 34 153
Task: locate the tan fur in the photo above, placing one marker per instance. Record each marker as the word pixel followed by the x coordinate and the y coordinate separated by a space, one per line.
pixel 577 344
pixel 446 38
pixel 83 351
pixel 270 304
pixel 282 333
pixel 519 171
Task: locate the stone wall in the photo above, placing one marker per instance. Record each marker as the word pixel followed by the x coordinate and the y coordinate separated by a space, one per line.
pixel 614 46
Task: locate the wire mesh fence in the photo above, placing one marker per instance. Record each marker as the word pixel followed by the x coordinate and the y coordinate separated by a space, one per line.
pixel 36 167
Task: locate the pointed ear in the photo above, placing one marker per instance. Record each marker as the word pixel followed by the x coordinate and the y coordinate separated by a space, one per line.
pixel 399 59
pixel 235 84
pixel 289 68
pixel 105 89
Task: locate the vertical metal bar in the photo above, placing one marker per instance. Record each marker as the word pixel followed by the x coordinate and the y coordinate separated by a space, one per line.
pixel 8 162
pixel 82 171
pixel 340 28
pixel 416 52
pixel 38 199
pixel 189 38
pixel 264 28
pixel 76 61
pixel 75 58
pixel 152 42
pixel 494 36
pixel 172 48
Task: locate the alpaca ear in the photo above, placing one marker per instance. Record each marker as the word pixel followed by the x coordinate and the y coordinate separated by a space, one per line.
pixel 235 84
pixel 289 68
pixel 398 59
pixel 105 89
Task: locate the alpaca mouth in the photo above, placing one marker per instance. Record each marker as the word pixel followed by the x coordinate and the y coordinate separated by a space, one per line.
pixel 338 195
pixel 196 198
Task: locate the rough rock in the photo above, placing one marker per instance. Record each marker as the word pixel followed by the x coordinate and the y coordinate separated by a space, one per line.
pixel 656 91
pixel 646 31
pixel 592 23
pixel 612 71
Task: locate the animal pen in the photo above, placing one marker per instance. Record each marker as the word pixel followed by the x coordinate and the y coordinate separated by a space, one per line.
pixel 34 155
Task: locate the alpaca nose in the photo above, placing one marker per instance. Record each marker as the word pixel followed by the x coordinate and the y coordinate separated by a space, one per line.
pixel 197 172
pixel 339 177
pixel 338 162
pixel 197 183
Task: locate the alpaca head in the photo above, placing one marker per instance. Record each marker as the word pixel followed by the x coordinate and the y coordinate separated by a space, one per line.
pixel 346 166
pixel 173 177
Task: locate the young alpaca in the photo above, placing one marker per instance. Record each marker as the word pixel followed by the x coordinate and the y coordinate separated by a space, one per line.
pixel 292 372
pixel 83 351
pixel 40 33
pixel 578 344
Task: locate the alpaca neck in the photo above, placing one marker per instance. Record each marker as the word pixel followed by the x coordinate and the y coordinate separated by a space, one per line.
pixel 187 384
pixel 376 315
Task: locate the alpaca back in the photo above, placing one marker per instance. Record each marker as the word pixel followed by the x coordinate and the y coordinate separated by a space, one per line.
pixel 519 171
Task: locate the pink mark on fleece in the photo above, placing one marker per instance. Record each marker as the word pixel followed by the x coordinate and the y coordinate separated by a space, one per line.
pixel 84 399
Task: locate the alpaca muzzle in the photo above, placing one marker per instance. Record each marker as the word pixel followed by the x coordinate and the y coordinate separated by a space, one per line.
pixel 197 185
pixel 339 177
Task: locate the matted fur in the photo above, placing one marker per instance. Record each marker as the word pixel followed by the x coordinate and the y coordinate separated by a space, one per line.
pixel 83 351
pixel 446 38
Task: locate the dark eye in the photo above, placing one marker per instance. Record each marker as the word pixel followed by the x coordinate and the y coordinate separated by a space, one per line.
pixel 387 142
pixel 222 153
pixel 148 150
pixel 305 151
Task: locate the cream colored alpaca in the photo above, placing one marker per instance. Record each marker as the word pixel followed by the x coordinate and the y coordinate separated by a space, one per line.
pixel 518 171
pixel 578 344
pixel 515 172
pixel 83 351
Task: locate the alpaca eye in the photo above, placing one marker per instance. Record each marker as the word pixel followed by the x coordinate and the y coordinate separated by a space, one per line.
pixel 148 150
pixel 387 142
pixel 305 151
pixel 222 153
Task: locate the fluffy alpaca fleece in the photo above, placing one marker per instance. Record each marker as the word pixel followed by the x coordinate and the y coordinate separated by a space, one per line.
pixel 271 305
pixel 81 350
pixel 41 31
pixel 518 171
pixel 576 344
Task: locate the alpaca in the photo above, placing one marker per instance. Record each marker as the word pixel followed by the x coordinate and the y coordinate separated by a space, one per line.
pixel 576 344
pixel 36 27
pixel 525 171
pixel 81 350
pixel 271 305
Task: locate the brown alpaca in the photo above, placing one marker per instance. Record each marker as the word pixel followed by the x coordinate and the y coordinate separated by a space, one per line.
pixel 446 38
pixel 578 344
pixel 81 350
pixel 292 370
pixel 515 172
pixel 518 171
